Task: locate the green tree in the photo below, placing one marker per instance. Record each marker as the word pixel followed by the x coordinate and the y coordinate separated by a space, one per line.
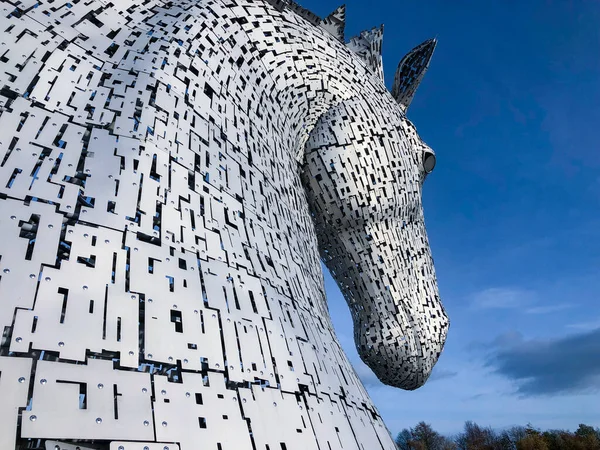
pixel 530 430
pixel 404 439
pixel 505 441
pixel 588 436
pixel 423 437
pixel 533 441
pixel 475 437
pixel 515 434
pixel 585 430
pixel 556 439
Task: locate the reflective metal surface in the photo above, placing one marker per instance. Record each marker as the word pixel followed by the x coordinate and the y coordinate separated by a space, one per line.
pixel 160 277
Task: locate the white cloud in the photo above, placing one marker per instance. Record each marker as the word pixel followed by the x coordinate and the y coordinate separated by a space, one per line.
pixel 585 326
pixel 549 308
pixel 502 298
pixel 513 298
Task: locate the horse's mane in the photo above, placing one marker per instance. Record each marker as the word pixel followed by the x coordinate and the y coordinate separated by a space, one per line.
pixel 367 45
pixel 280 5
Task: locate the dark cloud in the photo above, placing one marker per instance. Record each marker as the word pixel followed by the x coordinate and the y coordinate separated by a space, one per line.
pixel 569 365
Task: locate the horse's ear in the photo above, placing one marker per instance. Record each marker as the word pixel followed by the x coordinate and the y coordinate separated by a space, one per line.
pixel 411 71
pixel 367 46
pixel 335 23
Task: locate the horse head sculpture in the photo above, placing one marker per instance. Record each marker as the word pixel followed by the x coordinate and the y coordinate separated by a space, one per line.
pixel 364 175
pixel 171 176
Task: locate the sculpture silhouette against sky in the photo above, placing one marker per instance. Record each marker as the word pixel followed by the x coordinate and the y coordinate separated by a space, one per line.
pixel 170 173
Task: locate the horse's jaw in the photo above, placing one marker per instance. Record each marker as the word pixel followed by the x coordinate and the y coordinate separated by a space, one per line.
pixel 400 325
pixel 363 179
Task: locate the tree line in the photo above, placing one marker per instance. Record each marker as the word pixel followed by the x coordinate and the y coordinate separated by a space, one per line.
pixel 475 437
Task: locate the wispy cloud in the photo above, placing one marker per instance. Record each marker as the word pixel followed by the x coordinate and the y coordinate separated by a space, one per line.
pixel 366 375
pixel 477 396
pixel 549 308
pixel 585 326
pixel 526 301
pixel 441 374
pixel 507 340
pixel 570 365
pixel 501 341
pixel 502 298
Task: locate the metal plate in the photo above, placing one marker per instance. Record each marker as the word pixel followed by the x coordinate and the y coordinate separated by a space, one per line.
pixel 170 176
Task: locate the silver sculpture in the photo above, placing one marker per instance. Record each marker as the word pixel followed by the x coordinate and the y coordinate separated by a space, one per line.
pixel 170 173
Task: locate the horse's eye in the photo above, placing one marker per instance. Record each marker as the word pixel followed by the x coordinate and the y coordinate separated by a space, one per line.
pixel 428 161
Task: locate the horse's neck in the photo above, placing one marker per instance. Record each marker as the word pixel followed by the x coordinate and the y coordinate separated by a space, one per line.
pixel 278 75
pixel 290 78
pixel 300 75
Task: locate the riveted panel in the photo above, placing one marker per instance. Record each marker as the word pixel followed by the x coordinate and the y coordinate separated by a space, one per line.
pixel 172 174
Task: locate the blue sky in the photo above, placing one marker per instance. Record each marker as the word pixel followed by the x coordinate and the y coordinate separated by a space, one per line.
pixel 511 105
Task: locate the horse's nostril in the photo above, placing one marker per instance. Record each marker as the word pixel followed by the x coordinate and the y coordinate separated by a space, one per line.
pixel 428 162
